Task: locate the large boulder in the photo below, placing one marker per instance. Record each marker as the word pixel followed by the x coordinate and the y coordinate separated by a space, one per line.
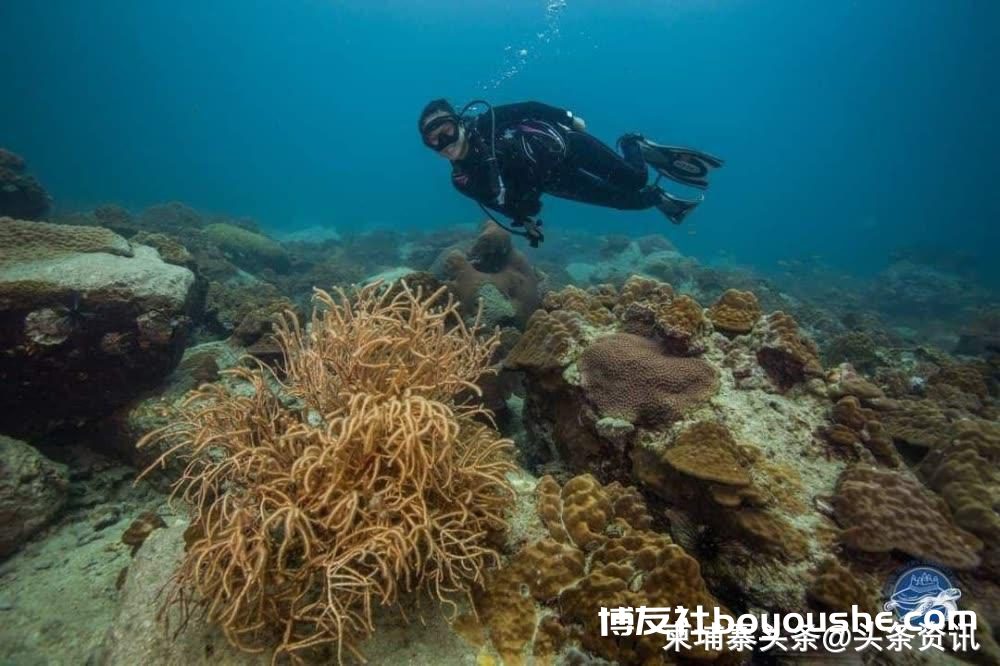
pixel 139 633
pixel 87 321
pixel 20 194
pixel 33 489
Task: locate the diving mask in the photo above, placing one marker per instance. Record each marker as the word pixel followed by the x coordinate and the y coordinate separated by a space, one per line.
pixel 441 132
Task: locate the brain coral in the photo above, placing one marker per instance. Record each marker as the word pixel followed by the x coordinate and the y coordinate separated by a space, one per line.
pixel 885 510
pixel 735 312
pixel 628 377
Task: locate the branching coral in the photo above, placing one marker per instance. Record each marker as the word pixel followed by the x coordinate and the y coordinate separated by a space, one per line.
pixel 354 479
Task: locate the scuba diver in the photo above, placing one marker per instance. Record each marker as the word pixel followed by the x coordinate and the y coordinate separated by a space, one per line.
pixel 507 157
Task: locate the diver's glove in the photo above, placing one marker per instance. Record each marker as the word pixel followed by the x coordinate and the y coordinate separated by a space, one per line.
pixel 531 230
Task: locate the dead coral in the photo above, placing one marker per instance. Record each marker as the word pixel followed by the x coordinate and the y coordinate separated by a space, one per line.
pixel 736 312
pixel 628 377
pixel 883 510
pixel 353 481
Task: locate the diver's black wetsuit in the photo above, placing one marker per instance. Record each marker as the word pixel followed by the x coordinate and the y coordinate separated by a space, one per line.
pixel 538 153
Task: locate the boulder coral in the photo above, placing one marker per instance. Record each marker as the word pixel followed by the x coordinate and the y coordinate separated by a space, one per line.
pixel 629 377
pixel 87 320
pixel 495 274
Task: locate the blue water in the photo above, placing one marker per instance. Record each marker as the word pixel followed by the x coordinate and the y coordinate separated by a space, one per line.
pixel 849 128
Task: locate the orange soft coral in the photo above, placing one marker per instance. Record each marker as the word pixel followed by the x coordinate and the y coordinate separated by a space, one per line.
pixel 355 479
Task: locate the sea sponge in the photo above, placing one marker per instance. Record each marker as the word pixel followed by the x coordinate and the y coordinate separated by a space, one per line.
pixel 628 377
pixel 354 480
pixel 735 312
pixel 885 510
pixel 787 356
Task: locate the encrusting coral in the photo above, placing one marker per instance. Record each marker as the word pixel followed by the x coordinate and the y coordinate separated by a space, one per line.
pixel 601 551
pixel 885 510
pixel 354 479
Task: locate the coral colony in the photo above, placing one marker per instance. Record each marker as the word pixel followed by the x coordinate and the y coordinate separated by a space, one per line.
pixel 434 443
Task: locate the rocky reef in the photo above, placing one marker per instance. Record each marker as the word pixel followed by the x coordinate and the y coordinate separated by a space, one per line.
pixel 21 195
pixel 436 448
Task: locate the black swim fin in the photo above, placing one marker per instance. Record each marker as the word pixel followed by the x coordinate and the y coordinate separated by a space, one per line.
pixel 683 165
pixel 675 208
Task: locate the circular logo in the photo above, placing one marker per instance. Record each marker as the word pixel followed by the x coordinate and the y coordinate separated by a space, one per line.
pixel 920 594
